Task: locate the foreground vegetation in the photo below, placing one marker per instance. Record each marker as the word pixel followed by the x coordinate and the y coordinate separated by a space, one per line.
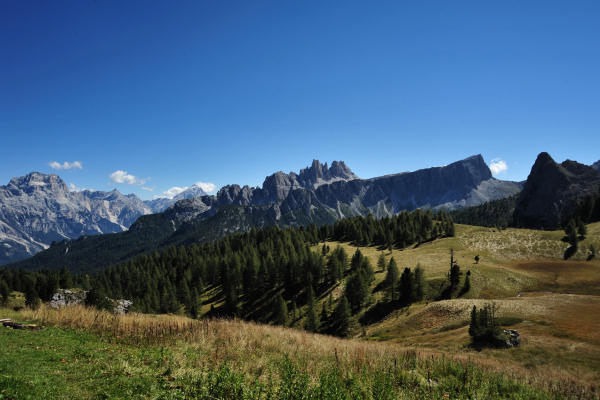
pixel 85 353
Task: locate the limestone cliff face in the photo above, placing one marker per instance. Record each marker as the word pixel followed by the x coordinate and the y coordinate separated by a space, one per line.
pixel 37 209
pixel 552 191
pixel 461 184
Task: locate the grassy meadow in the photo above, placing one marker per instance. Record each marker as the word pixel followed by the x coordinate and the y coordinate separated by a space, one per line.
pixel 417 352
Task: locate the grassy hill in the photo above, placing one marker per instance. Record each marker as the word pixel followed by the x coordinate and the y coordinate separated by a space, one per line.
pixel 550 301
pixel 83 353
pixel 420 351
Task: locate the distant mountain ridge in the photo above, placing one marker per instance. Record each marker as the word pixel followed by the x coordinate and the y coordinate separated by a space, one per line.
pixel 162 203
pixel 318 194
pixel 38 209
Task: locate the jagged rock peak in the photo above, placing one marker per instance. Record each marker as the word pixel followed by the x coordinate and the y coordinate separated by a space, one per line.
pixel 37 180
pixel 339 170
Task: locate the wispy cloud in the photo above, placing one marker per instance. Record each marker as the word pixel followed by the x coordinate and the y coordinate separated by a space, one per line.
pixel 120 176
pixel 497 166
pixel 66 165
pixel 149 189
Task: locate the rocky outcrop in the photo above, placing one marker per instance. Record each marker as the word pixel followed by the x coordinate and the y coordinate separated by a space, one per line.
pixel 551 192
pixel 513 338
pixel 596 165
pixel 66 298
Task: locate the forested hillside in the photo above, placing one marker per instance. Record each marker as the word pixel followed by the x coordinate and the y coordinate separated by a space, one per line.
pixel 258 275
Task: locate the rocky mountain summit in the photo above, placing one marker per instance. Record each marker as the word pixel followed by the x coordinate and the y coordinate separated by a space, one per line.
pixel 552 192
pixel 37 209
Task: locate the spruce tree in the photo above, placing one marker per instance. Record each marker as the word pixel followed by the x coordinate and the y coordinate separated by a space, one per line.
pixel 407 287
pixel 474 325
pixel 571 233
pixel 32 300
pixel 312 318
pixel 381 262
pixel 341 317
pixel 280 313
pixel 356 291
pixel 4 292
pixel 391 281
pixel 64 279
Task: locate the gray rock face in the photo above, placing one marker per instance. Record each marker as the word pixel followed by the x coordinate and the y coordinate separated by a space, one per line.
pixel 552 191
pixel 67 298
pixel 596 165
pixel 37 209
pixel 161 204
pixel 338 190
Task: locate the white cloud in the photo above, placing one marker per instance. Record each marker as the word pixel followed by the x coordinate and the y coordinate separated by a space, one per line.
pixel 65 165
pixel 149 189
pixel 120 176
pixel 497 166
pixel 206 186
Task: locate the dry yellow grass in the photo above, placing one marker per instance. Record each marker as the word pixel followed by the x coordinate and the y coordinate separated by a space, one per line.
pixel 256 349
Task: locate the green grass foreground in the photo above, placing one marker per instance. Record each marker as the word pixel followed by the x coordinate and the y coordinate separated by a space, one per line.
pixel 65 363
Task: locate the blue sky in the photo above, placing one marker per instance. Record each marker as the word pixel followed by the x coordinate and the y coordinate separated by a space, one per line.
pixel 165 94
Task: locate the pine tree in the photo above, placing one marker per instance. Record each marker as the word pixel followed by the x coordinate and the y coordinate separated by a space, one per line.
pixel 64 279
pixel 407 287
pixel 32 300
pixel 4 292
pixel 356 291
pixel 312 318
pixel 280 313
pixel 571 233
pixel 381 262
pixel 474 325
pixel 391 281
pixel 341 317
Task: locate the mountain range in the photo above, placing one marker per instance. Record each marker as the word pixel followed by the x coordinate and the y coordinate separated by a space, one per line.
pixel 38 209
pixel 317 194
